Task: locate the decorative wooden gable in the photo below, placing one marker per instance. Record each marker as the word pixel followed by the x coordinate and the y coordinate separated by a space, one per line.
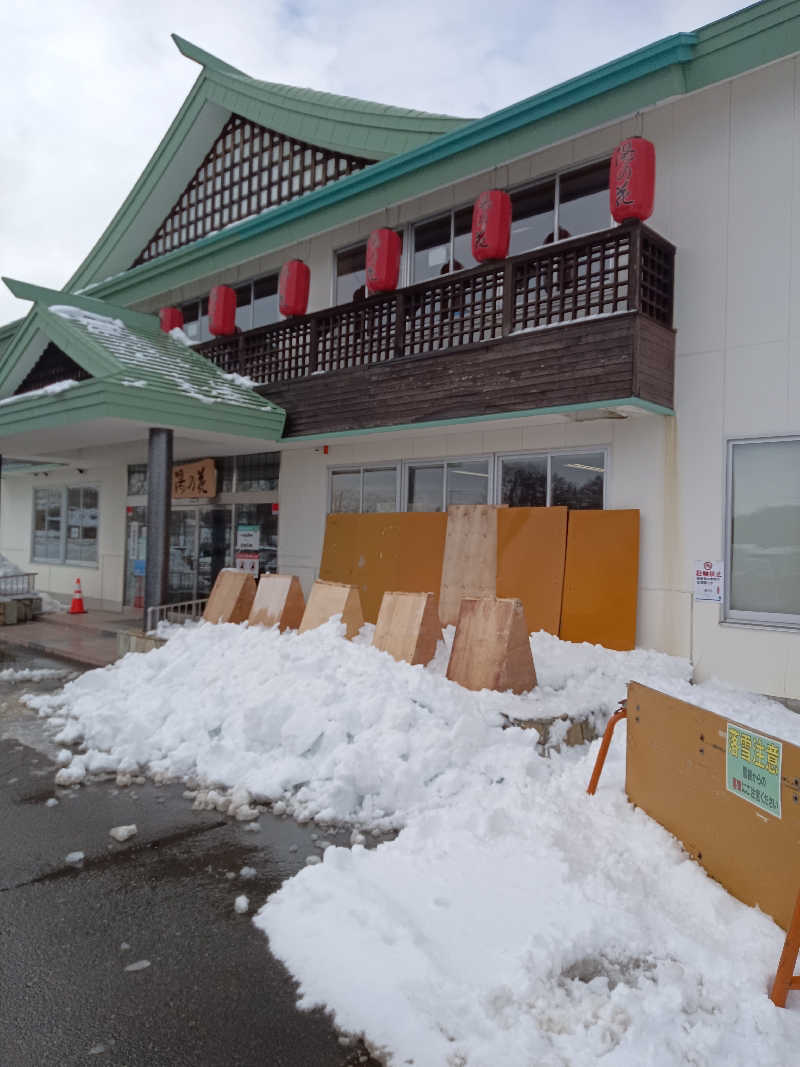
pixel 248 170
pixel 51 367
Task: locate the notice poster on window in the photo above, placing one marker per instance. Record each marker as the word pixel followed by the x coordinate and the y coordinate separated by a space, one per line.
pixel 247 561
pixel 248 537
pixel 709 580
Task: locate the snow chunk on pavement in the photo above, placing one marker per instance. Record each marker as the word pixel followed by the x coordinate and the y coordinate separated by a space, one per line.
pixel 248 872
pixel 138 966
pixel 123 833
pixel 241 904
pixel 51 802
pixel 74 858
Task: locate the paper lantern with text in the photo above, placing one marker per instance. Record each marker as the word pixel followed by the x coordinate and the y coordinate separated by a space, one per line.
pixel 384 249
pixel 491 225
pixel 293 286
pixel 222 311
pixel 170 319
pixel 632 180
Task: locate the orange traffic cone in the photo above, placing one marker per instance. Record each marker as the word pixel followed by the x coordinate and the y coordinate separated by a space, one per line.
pixel 76 607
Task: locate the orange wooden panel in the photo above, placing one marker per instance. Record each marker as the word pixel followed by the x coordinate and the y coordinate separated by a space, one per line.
pixel 231 598
pixel 383 553
pixel 676 773
pixel 601 578
pixel 531 554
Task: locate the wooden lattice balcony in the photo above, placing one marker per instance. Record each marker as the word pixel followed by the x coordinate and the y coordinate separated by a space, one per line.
pixel 589 319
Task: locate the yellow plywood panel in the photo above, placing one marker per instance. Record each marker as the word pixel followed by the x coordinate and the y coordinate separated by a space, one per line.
pixel 408 627
pixel 231 597
pixel 531 554
pixel 676 773
pixel 601 578
pixel 384 552
pixel 470 558
pixel 491 648
pixel 279 602
pixel 332 598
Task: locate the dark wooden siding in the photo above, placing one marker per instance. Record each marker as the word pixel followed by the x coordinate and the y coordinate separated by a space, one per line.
pixel 591 361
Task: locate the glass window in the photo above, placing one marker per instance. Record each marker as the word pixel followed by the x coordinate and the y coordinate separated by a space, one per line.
pixel 137 479
pixel 346 490
pixel 244 306
pixel 523 481
pixel 351 275
pixel 225 468
pixel 82 523
pixel 532 215
pixel 258 473
pixel 432 248
pixel 380 489
pixel 65 525
pixel 583 201
pixel 468 482
pixel 765 528
pixel 577 481
pixel 265 301
pixel 462 240
pixel 426 488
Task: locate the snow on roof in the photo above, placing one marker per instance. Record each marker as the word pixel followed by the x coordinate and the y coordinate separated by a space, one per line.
pixel 162 360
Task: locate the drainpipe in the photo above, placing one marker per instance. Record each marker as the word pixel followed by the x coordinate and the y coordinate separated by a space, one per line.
pixel 159 499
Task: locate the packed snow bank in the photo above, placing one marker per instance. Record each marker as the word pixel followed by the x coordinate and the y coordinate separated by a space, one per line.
pixel 9 569
pixel 335 729
pixel 532 924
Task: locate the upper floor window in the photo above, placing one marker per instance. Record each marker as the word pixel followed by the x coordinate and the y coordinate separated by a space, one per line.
pixel 351 274
pixel 443 244
pixel 256 305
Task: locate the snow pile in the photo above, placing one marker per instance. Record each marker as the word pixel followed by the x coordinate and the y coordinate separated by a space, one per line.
pixel 31 674
pixel 336 730
pixel 535 925
pixel 46 390
pixel 9 570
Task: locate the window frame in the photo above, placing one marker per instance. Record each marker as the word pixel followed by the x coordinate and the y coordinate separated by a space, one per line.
pixel 445 461
pixel 360 468
pixel 62 560
pixel 736 616
pixel 251 282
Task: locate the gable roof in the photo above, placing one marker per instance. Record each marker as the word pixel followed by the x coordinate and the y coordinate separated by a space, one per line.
pixel 138 372
pixel 325 120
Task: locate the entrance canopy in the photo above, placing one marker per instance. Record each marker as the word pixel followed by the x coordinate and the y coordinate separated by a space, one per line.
pixel 85 373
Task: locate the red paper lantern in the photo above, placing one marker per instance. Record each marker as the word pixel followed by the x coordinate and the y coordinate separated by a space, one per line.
pixel 293 285
pixel 222 311
pixel 384 249
pixel 491 225
pixel 170 319
pixel 632 180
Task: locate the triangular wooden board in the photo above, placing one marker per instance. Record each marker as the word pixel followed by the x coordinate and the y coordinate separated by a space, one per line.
pixel 470 558
pixel 330 598
pixel 408 627
pixel 279 602
pixel 491 647
pixel 231 597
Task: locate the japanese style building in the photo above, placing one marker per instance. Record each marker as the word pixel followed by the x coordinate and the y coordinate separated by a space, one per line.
pixel 650 364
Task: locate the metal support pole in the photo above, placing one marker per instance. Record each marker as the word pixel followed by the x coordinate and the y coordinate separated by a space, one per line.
pixel 159 498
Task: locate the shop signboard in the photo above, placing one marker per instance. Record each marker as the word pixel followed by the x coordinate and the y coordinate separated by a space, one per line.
pixel 191 481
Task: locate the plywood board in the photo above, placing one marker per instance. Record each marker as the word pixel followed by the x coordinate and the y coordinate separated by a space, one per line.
pixel 333 598
pixel 408 627
pixel 601 578
pixel 470 558
pixel 383 552
pixel 231 597
pixel 676 773
pixel 531 556
pixel 491 648
pixel 279 602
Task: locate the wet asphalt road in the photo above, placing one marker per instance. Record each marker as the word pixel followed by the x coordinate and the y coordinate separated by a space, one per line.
pixel 211 994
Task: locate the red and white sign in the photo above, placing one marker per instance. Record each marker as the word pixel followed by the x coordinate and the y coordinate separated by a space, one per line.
pixel 709 580
pixel 247 561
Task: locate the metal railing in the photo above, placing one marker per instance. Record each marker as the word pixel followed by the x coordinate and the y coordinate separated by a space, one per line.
pixel 182 611
pixel 18 584
pixel 625 268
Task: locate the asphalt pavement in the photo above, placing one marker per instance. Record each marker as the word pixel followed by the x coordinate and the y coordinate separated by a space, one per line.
pixel 136 956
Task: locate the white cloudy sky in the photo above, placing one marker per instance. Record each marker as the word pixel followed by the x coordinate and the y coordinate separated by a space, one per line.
pixel 90 86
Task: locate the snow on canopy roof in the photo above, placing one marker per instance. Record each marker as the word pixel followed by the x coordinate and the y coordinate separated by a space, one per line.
pixel 160 360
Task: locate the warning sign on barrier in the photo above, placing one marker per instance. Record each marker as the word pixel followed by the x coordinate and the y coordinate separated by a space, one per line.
pixel 753 768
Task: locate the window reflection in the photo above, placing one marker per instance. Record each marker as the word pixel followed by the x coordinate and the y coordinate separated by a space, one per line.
pixel 351 275
pixel 583 201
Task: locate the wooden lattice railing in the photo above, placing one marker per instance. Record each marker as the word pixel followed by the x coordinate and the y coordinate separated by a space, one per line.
pixel 627 268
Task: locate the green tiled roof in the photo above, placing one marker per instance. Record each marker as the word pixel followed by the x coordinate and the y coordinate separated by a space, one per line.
pixel 138 367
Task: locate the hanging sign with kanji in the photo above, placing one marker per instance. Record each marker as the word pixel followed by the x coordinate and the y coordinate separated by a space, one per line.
pixel 192 480
pixel 753 768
